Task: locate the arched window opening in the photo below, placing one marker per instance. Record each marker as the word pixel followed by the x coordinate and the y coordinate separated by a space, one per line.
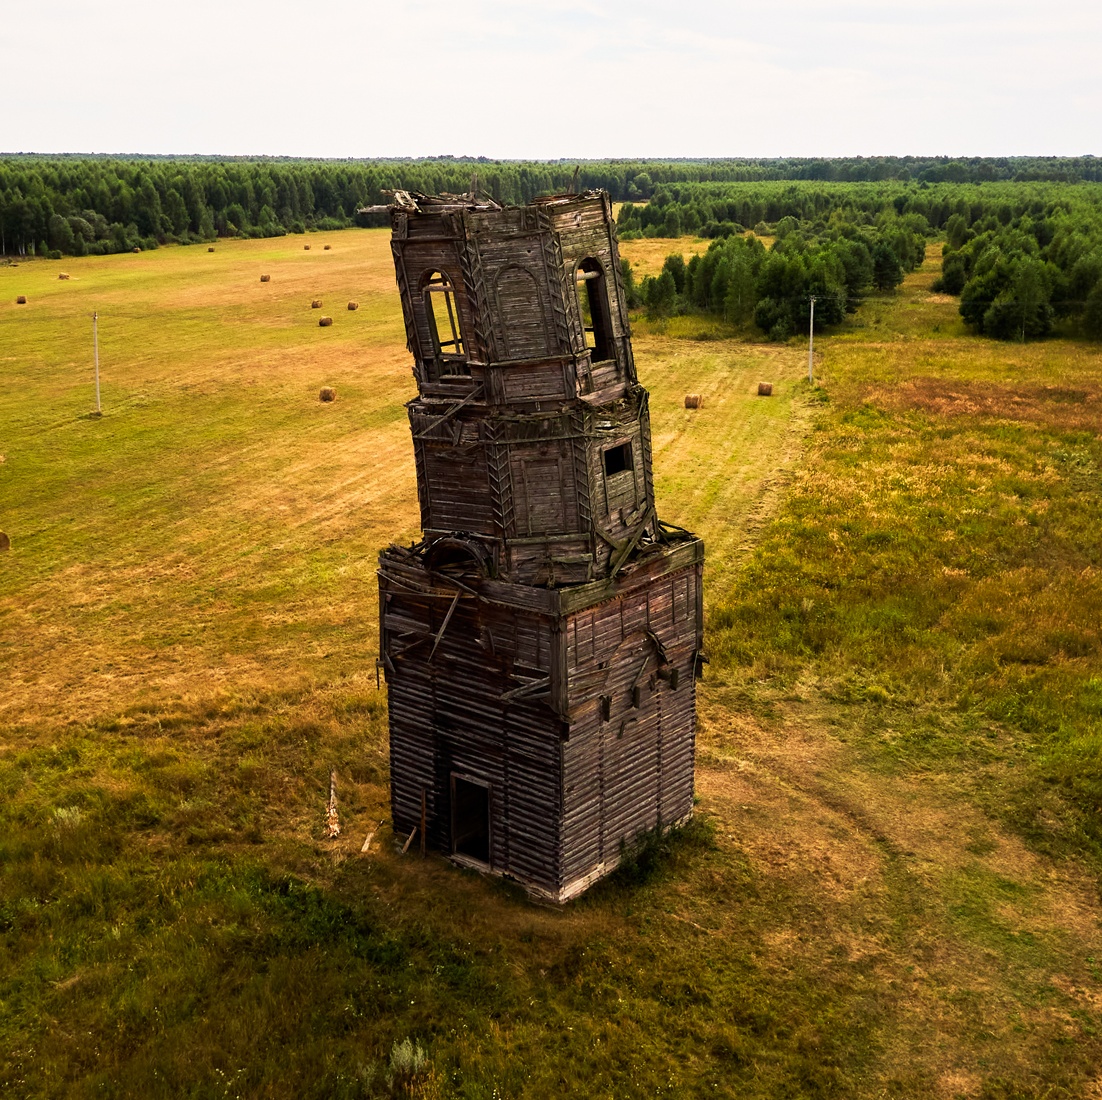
pixel 459 557
pixel 442 314
pixel 594 310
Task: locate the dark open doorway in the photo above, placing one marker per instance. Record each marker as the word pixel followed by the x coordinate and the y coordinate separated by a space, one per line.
pixel 471 819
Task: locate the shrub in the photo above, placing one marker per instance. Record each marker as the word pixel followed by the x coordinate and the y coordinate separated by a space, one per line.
pixel 408 1061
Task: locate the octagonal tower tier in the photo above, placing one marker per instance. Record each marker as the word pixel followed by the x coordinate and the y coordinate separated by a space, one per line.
pixel 531 433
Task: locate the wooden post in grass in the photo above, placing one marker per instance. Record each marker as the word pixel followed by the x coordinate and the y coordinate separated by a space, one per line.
pixel 334 821
pixel 811 344
pixel 95 355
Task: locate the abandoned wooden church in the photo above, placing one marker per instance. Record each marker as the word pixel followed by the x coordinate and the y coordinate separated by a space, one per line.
pixel 541 642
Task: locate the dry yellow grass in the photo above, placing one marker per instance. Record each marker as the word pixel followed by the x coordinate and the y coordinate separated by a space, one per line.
pixel 648 254
pixel 210 385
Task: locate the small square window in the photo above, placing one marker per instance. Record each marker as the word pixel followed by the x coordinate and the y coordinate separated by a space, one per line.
pixel 617 459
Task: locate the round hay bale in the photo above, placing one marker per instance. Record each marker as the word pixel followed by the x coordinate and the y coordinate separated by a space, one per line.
pixel 327 247
pixel 136 248
pixel 305 248
pixel 765 389
pixel 21 300
pixel 325 322
pixel 693 400
pixel 63 274
pixel 327 394
pixel 211 249
pixel 5 542
pixel 265 278
pixel 353 305
pixel 316 304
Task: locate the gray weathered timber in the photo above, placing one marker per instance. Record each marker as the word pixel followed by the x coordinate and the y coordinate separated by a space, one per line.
pixel 542 642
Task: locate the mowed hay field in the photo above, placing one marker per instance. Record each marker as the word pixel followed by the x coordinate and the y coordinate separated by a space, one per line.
pixel 891 885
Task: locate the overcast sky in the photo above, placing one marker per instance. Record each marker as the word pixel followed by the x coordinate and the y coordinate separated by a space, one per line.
pixel 523 79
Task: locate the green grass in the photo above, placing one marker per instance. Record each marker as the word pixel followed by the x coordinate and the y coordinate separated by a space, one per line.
pixel 936 566
pixel 890 888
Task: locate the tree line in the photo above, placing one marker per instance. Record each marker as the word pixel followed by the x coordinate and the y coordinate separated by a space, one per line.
pixel 712 210
pixel 1025 276
pixel 1025 258
pixel 95 204
pixel 743 281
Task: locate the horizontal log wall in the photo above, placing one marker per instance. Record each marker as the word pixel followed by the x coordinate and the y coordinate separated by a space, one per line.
pixel 520 478
pixel 456 489
pixel 567 793
pixel 450 714
pixel 628 764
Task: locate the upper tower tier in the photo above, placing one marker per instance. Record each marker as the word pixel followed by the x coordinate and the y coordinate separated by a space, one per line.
pixel 514 306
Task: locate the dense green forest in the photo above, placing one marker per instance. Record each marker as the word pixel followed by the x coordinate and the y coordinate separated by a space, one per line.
pixel 1023 276
pixel 1025 257
pixel 95 204
pixel 741 280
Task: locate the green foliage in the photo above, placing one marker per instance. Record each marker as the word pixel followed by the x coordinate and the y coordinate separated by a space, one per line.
pixel 660 295
pixel 956 230
pixel 631 291
pixel 739 280
pixel 1092 312
pixel 1009 291
pixel 159 199
pixel 887 270
pixel 675 265
pixel 954 274
pixel 1022 265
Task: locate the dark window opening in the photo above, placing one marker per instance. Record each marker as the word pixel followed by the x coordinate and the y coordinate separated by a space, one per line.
pixel 594 310
pixel 470 819
pixel 442 314
pixel 459 558
pixel 617 459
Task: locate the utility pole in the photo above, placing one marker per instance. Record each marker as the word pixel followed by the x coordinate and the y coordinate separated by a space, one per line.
pixel 95 352
pixel 811 344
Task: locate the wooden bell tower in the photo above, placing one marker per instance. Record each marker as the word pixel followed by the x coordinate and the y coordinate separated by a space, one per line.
pixel 541 642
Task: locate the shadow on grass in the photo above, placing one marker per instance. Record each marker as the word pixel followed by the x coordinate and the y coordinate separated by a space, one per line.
pixel 655 857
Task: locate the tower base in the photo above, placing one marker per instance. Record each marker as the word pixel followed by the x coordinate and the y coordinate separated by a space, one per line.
pixel 537 733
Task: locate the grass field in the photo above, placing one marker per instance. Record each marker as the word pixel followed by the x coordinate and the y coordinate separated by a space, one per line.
pixel 890 888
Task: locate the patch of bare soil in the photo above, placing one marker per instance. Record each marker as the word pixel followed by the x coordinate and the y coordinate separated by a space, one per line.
pixel 1059 406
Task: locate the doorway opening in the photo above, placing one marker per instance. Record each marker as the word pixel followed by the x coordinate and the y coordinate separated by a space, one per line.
pixel 471 819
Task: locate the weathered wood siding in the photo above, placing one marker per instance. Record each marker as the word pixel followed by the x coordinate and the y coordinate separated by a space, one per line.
pixel 572 782
pixel 628 764
pixel 540 644
pixel 585 230
pixel 450 714
pixel 536 481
